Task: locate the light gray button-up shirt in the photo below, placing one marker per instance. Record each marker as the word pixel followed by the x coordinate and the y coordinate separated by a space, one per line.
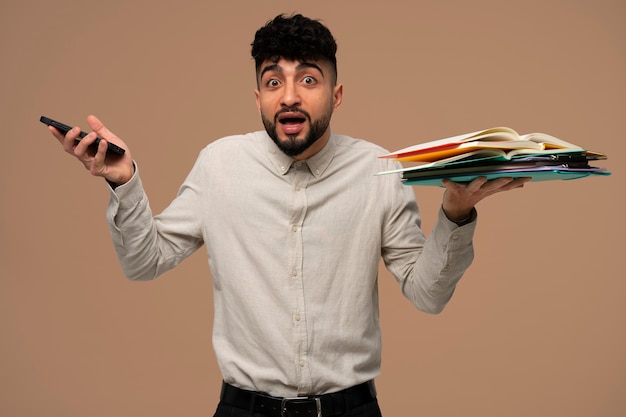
pixel 293 249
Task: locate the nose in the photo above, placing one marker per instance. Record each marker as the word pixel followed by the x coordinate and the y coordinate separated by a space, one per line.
pixel 291 95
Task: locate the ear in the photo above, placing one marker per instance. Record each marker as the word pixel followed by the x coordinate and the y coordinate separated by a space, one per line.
pixel 258 99
pixel 337 96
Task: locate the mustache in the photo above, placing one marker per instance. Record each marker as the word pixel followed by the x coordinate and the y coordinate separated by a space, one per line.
pixel 292 110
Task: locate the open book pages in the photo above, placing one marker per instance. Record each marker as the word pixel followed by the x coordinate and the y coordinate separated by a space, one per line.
pixel 494 153
pixel 490 156
pixel 495 138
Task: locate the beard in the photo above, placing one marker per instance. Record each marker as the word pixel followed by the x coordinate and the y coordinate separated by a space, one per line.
pixel 292 146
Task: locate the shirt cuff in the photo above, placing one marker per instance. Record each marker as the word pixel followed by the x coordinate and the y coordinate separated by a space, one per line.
pixel 469 219
pixel 127 195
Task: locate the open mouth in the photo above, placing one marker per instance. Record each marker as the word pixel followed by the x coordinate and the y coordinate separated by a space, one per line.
pixel 292 123
pixel 291 119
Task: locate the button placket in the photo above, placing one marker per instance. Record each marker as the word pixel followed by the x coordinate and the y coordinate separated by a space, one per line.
pixel 300 176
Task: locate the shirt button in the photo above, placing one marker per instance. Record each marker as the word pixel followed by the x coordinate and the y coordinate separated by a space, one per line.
pixel 298 188
pixel 455 237
pixel 294 272
pixel 297 317
pixel 294 228
pixel 301 364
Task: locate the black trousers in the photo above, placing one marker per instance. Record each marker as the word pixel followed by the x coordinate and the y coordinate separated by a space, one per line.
pixel 366 410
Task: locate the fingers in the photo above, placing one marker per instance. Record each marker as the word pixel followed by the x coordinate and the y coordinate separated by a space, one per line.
pixel 477 184
pixel 460 198
pixel 81 147
pixel 493 186
pixel 117 169
pixel 58 135
pixel 99 127
pixel 67 140
pixel 473 186
pixel 84 150
pixel 98 166
pixel 496 185
pixel 509 184
pixel 104 133
pixel 481 187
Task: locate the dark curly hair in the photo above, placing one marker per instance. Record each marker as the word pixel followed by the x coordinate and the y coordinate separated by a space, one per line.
pixel 294 37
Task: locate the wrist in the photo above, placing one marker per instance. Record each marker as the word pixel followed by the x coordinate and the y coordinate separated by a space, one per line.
pixel 122 179
pixel 461 219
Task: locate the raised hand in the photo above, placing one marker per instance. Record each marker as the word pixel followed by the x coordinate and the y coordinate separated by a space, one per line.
pixel 459 199
pixel 117 169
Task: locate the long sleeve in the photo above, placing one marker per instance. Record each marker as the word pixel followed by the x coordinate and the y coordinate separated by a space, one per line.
pixel 147 247
pixel 427 269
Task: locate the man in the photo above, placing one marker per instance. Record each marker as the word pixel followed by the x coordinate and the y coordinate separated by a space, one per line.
pixel 294 223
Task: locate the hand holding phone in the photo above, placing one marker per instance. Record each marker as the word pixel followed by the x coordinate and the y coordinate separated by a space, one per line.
pixel 115 164
pixel 63 128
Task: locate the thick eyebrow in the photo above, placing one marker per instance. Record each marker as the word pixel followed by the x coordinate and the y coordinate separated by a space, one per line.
pixel 278 68
pixel 267 68
pixel 310 65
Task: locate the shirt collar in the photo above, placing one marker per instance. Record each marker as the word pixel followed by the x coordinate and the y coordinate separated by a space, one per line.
pixel 317 163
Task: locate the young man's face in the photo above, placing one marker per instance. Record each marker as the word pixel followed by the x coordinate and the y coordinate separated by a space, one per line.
pixel 296 100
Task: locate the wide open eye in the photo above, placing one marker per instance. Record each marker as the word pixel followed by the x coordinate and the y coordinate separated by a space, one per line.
pixel 308 80
pixel 273 82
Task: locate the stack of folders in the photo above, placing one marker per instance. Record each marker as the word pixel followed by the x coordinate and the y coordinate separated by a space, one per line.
pixel 494 153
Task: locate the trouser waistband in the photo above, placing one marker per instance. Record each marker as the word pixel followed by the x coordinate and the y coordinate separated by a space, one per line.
pixel 325 405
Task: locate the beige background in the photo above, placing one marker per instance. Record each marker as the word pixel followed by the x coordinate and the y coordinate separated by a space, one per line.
pixel 537 326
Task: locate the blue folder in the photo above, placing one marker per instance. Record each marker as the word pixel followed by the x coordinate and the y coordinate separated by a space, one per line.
pixel 540 173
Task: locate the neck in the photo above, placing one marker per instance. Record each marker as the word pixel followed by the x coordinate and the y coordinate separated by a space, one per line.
pixel 315 148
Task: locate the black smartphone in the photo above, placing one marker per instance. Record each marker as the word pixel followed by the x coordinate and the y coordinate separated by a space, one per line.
pixel 63 128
